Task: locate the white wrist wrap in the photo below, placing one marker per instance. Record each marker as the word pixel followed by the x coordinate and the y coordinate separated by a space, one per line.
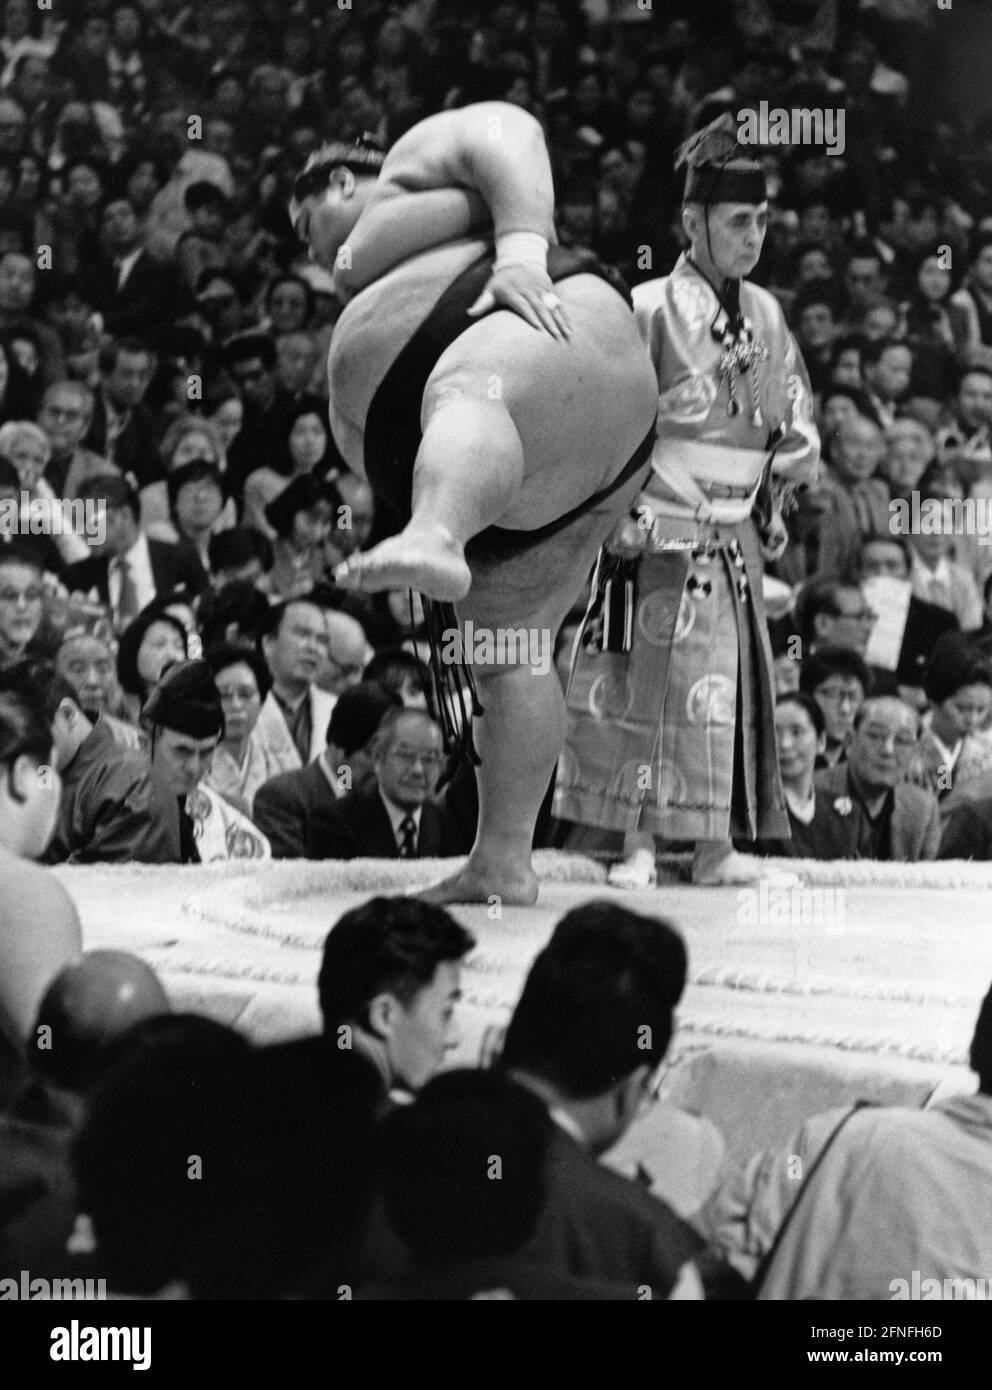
pixel 521 248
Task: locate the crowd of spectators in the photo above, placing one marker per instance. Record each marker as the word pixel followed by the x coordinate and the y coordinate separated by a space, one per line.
pixel 191 687
pixel 167 1156
pixel 164 335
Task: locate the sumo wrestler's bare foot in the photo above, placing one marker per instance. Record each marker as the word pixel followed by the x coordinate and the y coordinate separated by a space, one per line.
pixel 512 885
pixel 423 557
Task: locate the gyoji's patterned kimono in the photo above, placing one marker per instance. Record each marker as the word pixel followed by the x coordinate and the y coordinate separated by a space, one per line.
pixel 221 831
pixel 675 735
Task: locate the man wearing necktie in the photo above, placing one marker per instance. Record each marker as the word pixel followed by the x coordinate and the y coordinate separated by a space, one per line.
pixel 127 605
pixel 395 817
pixel 408 837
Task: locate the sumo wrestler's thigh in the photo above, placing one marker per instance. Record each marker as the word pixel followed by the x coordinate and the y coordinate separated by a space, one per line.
pixel 580 407
pixel 536 587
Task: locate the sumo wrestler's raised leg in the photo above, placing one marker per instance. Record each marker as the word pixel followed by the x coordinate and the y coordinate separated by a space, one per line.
pixel 468 471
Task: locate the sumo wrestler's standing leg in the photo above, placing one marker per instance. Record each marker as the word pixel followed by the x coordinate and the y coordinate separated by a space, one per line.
pixel 468 471
pixel 520 735
pixel 518 739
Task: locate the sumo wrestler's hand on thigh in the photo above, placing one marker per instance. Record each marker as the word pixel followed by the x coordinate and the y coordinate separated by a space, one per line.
pixel 528 292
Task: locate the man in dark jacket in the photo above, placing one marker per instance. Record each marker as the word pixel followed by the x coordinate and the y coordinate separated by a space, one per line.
pixel 395 818
pixel 587 1037
pixel 112 810
pixel 285 806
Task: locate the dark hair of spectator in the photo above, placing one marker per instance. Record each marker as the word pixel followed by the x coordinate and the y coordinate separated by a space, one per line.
pixel 833 661
pixel 357 715
pixel 980 1056
pixel 225 654
pixel 113 491
pixel 247 346
pixel 113 348
pixel 24 732
pixel 954 663
pixel 18 552
pixel 874 350
pixel 272 620
pixel 237 610
pixel 301 495
pixel 239 545
pixel 130 644
pixel 386 945
pixel 807 703
pixel 881 538
pixel 599 1000
pixel 439 1194
pixel 396 667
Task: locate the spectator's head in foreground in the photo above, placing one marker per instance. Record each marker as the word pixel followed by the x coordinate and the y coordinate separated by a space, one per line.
pixel 442 1196
pixel 981 1046
pixel 88 1006
pixel 219 1168
pixel 596 1015
pixel 388 984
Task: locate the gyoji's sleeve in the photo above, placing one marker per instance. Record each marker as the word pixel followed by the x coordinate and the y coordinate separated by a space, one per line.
pixel 649 316
pixel 797 459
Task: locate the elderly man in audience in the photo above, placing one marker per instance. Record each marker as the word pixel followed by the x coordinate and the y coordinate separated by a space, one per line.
pixel 286 805
pixel 86 661
pixel 28 449
pixel 865 809
pixel 113 811
pixel 394 817
pixel 857 451
pixel 65 415
pixel 389 981
pixel 588 1037
pixel 292 725
pixel 185 721
pixel 886 1198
